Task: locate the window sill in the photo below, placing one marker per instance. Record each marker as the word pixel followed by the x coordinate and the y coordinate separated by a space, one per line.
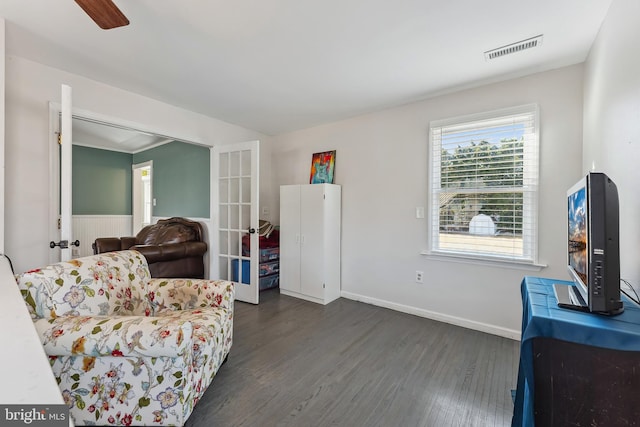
pixel 515 265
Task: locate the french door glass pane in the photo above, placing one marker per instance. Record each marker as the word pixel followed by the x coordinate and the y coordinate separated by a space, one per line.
pixel 224 217
pixel 224 268
pixel 234 164
pixel 234 244
pixel 234 213
pixel 246 190
pixel 224 190
pixel 224 242
pixel 234 190
pixel 224 165
pixel 246 217
pixel 246 162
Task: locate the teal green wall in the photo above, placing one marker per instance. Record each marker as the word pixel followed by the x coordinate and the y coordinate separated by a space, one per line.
pixel 101 182
pixel 180 179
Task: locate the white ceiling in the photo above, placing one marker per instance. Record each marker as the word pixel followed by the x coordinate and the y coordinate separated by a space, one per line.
pixel 114 138
pixel 281 65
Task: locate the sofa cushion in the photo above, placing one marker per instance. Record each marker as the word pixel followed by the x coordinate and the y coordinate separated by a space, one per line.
pixel 105 284
pixel 165 234
pixel 171 251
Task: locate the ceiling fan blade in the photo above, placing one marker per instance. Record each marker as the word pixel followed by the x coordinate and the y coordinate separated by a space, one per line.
pixel 104 13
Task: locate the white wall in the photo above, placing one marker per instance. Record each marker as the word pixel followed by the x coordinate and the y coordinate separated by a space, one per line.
pixel 26 366
pixel 381 162
pixel 612 121
pixel 29 88
pixel 2 121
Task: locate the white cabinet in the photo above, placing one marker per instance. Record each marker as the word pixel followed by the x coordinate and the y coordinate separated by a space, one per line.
pixel 310 241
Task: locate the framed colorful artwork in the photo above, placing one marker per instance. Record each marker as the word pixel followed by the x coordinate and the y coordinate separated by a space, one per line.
pixel 322 167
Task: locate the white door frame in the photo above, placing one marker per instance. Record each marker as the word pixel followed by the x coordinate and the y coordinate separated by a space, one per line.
pixel 55 109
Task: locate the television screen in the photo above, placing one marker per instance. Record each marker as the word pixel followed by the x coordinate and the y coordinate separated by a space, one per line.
pixel 593 251
pixel 577 228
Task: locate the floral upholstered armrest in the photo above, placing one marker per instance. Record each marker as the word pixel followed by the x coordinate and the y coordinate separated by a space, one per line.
pixel 115 336
pixel 187 294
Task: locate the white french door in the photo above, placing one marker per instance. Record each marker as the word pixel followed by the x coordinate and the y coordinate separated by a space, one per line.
pixel 234 210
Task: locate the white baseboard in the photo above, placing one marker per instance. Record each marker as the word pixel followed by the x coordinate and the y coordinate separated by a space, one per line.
pixel 458 321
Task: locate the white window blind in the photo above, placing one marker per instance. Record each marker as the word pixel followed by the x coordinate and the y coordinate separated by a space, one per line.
pixel 484 185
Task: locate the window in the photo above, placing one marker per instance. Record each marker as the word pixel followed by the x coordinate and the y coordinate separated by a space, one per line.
pixel 484 185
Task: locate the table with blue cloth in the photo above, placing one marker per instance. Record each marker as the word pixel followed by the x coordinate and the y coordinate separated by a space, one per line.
pixel 614 340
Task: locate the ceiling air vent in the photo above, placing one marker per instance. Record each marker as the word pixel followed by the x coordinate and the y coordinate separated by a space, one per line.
pixel 513 48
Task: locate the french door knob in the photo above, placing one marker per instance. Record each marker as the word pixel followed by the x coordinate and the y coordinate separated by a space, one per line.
pixel 252 231
pixel 64 244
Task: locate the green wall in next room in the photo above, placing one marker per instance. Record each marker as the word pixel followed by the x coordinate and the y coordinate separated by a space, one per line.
pixel 101 182
pixel 180 179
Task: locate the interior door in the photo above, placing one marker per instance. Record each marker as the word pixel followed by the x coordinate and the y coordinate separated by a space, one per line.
pixel 234 210
pixel 66 139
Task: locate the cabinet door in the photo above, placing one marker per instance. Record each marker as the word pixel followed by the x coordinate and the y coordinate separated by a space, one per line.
pixel 290 237
pixel 312 230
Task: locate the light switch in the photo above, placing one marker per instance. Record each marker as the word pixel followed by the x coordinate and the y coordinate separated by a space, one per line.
pixel 420 212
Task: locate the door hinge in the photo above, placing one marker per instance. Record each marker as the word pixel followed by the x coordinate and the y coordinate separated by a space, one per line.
pixel 59 139
pixel 59 223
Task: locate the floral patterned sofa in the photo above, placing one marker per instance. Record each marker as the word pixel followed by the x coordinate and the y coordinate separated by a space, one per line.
pixel 127 349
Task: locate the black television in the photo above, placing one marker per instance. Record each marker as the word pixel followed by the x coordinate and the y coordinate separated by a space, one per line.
pixel 593 248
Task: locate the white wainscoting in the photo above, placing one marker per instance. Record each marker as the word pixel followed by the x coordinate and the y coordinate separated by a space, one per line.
pixel 87 228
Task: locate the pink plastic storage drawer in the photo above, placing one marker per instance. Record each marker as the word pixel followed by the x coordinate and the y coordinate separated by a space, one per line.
pixel 269 268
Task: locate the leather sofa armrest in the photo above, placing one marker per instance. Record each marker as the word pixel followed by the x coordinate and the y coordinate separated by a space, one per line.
pixel 127 242
pixel 112 244
pixel 156 253
pixel 106 244
pixel 195 248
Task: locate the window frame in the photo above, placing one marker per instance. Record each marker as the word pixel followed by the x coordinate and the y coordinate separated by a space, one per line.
pixel 530 189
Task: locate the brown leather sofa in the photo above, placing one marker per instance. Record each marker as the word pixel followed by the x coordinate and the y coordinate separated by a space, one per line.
pixel 173 247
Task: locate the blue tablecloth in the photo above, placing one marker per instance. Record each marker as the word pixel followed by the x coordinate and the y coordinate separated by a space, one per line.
pixel 541 317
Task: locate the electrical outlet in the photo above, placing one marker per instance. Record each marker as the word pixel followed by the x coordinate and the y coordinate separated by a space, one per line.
pixel 419 276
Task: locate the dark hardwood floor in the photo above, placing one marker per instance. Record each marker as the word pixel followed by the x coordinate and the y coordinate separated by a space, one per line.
pixel 296 363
